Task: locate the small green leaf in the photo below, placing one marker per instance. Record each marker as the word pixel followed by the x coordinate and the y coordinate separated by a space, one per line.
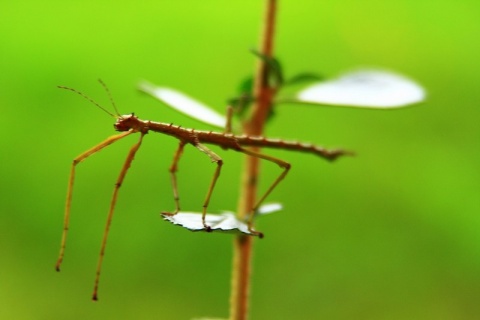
pixel 241 104
pixel 275 72
pixel 246 86
pixel 243 100
pixel 304 77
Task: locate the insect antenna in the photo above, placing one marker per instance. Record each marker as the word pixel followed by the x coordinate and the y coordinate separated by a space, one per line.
pixel 109 96
pixel 89 99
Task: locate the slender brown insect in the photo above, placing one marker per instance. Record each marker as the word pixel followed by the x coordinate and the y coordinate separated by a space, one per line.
pixel 130 124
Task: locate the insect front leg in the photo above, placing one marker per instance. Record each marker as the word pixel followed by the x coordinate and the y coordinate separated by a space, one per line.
pixel 118 184
pixel 68 202
pixel 215 158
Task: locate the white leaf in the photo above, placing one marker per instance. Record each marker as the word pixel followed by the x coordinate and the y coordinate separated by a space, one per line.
pixel 366 89
pixel 224 222
pixel 183 103
pixel 269 208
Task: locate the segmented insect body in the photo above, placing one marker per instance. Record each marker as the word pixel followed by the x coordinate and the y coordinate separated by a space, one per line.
pixel 130 124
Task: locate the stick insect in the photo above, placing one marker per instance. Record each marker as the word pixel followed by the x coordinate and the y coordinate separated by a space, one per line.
pixel 130 124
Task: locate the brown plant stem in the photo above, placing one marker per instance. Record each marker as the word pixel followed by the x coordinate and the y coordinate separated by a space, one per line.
pixel 243 245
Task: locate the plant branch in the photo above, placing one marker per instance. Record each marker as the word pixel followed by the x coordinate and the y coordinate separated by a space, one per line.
pixel 254 126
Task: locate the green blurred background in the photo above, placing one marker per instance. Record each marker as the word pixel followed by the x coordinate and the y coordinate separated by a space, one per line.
pixel 390 234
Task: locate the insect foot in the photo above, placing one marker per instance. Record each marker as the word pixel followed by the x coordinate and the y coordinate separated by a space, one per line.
pixel 170 214
pixel 256 233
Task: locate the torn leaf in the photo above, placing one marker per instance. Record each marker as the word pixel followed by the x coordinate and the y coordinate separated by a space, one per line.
pixel 225 222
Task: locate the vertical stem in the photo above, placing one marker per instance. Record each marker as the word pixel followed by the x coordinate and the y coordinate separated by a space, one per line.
pixel 243 244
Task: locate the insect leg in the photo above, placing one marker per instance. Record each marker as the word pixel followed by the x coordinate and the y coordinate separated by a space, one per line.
pixel 68 202
pixel 228 124
pixel 118 184
pixel 283 164
pixel 215 158
pixel 173 170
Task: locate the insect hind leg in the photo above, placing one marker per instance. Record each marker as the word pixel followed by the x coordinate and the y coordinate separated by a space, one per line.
pixel 284 165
